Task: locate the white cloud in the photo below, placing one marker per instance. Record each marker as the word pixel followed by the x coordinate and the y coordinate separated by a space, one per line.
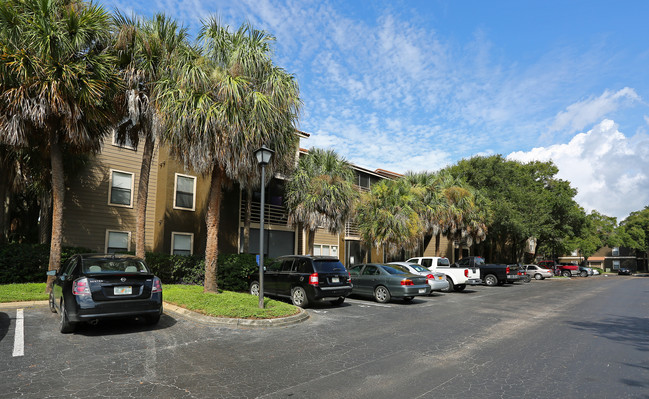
pixel 609 170
pixel 581 114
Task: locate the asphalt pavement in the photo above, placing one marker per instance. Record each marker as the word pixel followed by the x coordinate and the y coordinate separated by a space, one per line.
pixel 577 338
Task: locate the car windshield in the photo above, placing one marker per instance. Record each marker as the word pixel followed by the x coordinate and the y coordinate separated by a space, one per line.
pixel 114 266
pixel 328 266
pixel 396 269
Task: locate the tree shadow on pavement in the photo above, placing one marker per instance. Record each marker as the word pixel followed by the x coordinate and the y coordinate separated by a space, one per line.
pixel 623 329
pixel 5 321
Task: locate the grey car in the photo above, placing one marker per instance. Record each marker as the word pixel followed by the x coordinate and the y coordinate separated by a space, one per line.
pixel 436 280
pixel 537 272
pixel 383 282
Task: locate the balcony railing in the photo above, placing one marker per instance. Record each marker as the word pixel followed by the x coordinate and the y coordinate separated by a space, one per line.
pixel 273 214
pixel 351 230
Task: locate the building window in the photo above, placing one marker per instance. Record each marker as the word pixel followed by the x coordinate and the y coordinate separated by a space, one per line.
pixel 184 194
pixel 182 243
pixel 118 241
pixel 128 144
pixel 325 250
pixel 120 191
pixel 616 251
pixel 616 265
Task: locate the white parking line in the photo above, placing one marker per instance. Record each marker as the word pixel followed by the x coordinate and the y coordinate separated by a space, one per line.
pixel 19 338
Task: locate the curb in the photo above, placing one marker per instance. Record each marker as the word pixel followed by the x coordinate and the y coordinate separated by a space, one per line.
pixel 198 317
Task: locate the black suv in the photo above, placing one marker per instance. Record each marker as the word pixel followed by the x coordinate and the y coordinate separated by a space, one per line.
pixel 305 279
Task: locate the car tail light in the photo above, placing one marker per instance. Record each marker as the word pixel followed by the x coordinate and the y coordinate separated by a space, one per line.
pixel 313 279
pixel 349 280
pixel 507 269
pixel 430 278
pixel 407 281
pixel 80 287
pixel 466 272
pixel 157 285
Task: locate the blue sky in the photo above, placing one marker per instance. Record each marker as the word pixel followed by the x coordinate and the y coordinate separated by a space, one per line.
pixel 418 85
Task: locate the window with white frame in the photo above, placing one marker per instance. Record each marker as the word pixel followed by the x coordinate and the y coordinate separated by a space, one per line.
pixel 616 265
pixel 120 191
pixel 616 251
pixel 117 241
pixel 325 250
pixel 182 243
pixel 127 143
pixel 185 192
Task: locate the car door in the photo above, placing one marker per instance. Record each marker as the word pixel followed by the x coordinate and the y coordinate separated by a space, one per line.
pixel 369 276
pixel 286 277
pixel 63 280
pixel 270 277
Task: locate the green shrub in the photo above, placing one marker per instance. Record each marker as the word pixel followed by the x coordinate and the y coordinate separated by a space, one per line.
pixel 234 270
pixel 28 263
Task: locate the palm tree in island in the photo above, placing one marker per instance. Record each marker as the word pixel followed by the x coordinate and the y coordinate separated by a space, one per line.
pixel 146 51
pixel 321 193
pixel 224 99
pixel 58 82
pixel 388 216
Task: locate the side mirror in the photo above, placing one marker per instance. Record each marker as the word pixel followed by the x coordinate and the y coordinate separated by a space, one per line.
pixel 51 272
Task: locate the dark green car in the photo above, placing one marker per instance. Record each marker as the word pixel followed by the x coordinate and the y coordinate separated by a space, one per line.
pixel 384 282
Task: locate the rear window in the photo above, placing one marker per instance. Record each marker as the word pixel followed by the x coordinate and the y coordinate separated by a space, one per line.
pixel 109 266
pixel 419 268
pixel 328 266
pixel 443 262
pixel 396 269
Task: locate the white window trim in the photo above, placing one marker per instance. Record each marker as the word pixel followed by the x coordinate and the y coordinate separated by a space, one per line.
pixel 128 243
pixel 191 241
pixel 193 208
pixel 110 187
pixel 329 246
pixel 114 142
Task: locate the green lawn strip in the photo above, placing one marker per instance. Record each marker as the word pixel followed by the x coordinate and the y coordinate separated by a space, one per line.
pixel 23 292
pixel 225 304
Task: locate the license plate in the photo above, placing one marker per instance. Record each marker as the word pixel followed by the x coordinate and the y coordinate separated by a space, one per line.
pixel 422 290
pixel 335 279
pixel 123 290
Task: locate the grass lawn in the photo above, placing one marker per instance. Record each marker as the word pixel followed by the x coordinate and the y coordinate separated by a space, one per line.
pixel 22 292
pixel 225 304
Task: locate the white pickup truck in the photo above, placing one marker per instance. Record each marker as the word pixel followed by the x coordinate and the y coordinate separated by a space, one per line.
pixel 457 277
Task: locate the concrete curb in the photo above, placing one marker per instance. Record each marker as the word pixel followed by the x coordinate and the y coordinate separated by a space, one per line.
pixel 198 317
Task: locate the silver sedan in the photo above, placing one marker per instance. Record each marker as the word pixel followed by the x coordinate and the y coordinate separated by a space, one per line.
pixel 537 272
pixel 436 280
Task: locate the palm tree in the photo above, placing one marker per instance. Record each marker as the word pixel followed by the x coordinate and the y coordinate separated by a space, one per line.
pixel 57 84
pixel 146 51
pixel 224 99
pixel 321 193
pixel 389 216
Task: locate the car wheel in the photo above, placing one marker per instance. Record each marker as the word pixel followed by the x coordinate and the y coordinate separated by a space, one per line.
pixel 254 288
pixel 527 278
pixel 490 280
pixel 52 306
pixel 338 301
pixel 459 287
pixel 298 297
pixel 583 274
pixel 450 286
pixel 538 276
pixel 65 326
pixel 382 294
pixel 565 273
pixel 408 298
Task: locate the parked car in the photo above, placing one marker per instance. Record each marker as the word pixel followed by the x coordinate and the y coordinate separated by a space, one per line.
pixel 305 279
pixel 537 272
pixel 90 287
pixel 457 277
pixel 383 282
pixel 436 280
pixel 624 271
pixel 585 271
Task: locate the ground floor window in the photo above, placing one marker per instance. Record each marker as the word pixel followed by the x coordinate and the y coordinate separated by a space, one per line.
pixel 118 241
pixel 355 252
pixel 616 265
pixel 276 242
pixel 182 243
pixel 325 250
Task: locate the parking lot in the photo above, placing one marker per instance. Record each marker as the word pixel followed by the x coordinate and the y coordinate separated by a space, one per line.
pixel 587 336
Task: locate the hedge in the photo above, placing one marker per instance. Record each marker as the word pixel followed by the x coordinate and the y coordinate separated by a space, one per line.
pixel 27 263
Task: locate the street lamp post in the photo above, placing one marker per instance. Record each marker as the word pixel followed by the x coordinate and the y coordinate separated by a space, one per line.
pixel 263 155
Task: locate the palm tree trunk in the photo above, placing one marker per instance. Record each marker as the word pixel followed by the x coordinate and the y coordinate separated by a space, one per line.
pixel 246 223
pixel 142 196
pixel 58 192
pixel 45 218
pixel 3 210
pixel 311 241
pixel 212 219
pixel 438 238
